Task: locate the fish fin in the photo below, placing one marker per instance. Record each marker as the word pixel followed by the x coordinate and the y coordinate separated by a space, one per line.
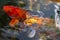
pixel 13 22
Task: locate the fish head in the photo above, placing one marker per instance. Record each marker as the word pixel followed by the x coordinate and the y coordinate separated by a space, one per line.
pixel 7 8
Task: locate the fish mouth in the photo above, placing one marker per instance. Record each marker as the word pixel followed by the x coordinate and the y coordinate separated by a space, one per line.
pixel 6 9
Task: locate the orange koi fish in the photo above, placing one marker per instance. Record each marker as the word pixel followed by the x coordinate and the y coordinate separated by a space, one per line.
pixel 16 14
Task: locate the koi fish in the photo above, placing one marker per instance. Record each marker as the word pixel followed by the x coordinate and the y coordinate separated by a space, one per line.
pixel 16 14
